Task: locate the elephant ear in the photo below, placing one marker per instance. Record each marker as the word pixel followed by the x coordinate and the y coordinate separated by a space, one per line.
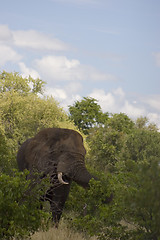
pixel 37 155
pixel 39 152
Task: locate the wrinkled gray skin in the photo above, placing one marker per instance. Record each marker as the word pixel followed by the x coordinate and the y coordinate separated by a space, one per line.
pixel 53 151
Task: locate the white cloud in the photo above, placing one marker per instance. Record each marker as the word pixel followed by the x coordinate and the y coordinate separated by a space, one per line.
pixel 5 33
pixel 28 71
pixel 153 101
pixel 39 41
pixel 31 39
pixel 116 102
pixel 58 68
pixel 70 101
pixel 106 100
pixel 154 118
pixel 73 87
pixel 131 110
pixel 58 93
pixel 119 92
pixel 63 69
pixel 53 68
pixel 157 58
pixel 8 54
pixel 62 96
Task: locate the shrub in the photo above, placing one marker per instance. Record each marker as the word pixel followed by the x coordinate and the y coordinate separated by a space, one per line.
pixel 20 210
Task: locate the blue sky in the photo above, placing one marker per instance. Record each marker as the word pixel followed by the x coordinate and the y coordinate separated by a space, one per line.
pixel 106 49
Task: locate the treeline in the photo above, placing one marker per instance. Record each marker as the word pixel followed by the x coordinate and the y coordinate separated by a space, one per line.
pixel 126 156
pixel 123 154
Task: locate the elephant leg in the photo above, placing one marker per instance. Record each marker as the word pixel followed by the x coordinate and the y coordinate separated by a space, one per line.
pixel 57 201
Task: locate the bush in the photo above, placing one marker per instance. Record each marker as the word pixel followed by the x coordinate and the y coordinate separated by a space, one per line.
pixel 134 212
pixel 88 208
pixel 137 184
pixel 20 210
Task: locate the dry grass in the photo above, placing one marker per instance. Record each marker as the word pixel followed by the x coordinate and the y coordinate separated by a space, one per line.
pixel 62 233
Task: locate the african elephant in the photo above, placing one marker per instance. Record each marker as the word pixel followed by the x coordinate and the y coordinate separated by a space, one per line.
pixel 60 154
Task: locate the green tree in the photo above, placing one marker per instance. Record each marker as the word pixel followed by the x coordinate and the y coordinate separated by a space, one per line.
pixel 120 122
pixel 87 114
pixel 23 86
pixel 88 207
pixel 134 181
pixel 143 122
pixel 106 141
pixel 23 113
pixel 137 184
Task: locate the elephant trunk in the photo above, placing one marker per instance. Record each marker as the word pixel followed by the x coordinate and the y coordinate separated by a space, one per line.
pixel 82 176
pixel 73 167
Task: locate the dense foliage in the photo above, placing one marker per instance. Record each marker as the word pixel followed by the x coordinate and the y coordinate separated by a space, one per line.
pixel 87 114
pixel 24 110
pixel 124 155
pixel 139 171
pixel 106 141
pixel 20 210
pixel 128 156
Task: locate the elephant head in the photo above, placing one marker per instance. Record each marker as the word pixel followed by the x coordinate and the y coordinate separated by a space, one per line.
pixel 60 154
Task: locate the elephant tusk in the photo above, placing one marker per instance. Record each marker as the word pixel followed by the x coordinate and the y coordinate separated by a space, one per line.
pixel 60 178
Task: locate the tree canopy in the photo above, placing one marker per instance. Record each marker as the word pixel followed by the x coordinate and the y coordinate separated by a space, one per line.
pixel 23 86
pixel 87 114
pixel 126 155
pixel 128 163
